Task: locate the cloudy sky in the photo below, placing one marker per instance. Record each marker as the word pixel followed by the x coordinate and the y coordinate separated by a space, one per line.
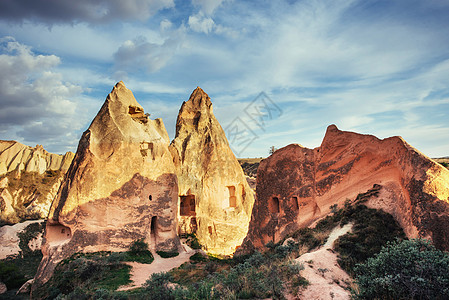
pixel 278 72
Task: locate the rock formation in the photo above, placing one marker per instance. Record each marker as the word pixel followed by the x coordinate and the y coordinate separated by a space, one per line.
pixel 215 199
pixel 17 157
pixel 29 180
pixel 296 186
pixel 120 187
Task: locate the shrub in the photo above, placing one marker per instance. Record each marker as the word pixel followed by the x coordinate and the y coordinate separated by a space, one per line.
pixel 11 276
pixel 167 254
pixel 138 252
pixel 409 269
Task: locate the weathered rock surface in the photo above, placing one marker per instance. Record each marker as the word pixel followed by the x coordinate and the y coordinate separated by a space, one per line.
pixel 296 186
pixel 9 241
pixel 17 157
pixel 30 179
pixel 120 187
pixel 215 198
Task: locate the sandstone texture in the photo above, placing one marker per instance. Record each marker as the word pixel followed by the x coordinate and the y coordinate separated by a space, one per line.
pixel 296 186
pixel 29 180
pixel 17 157
pixel 120 187
pixel 215 199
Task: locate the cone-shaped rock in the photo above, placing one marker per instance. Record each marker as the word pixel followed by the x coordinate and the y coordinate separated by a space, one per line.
pixel 120 187
pixel 296 186
pixel 215 199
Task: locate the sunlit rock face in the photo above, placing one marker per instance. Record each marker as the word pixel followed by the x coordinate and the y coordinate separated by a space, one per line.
pixel 17 157
pixel 215 200
pixel 296 186
pixel 120 187
pixel 29 180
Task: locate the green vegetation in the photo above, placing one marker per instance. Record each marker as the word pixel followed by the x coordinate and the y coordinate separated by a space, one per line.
pixel 80 276
pixel 445 164
pixel 30 232
pixel 16 270
pixel 138 252
pixel 408 269
pixel 94 275
pixel 192 241
pixel 167 254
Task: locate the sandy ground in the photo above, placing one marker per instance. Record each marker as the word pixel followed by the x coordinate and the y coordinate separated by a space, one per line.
pixel 140 273
pixel 327 279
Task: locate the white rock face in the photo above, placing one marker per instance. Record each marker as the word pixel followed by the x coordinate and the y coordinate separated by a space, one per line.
pixel 9 241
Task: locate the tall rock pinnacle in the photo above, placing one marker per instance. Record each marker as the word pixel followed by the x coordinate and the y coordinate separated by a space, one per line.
pixel 215 198
pixel 120 187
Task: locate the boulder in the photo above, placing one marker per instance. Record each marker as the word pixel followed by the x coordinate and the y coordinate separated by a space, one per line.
pixel 297 186
pixel 215 200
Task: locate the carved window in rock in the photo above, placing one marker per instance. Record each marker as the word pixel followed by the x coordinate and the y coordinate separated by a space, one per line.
pixel 146 149
pixel 232 196
pixel 187 205
pixel 273 205
pixel 138 114
pixel 210 229
pixel 294 203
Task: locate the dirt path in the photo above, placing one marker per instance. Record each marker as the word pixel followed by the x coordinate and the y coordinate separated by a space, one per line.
pixel 327 279
pixel 140 273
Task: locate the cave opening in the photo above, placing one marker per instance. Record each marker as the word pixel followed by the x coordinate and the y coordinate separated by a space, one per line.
pixel 294 203
pixel 187 205
pixel 273 205
pixel 153 231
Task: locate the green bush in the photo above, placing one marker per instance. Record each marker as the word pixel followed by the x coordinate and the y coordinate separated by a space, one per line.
pixel 167 254
pixel 409 269
pixel 11 276
pixel 138 252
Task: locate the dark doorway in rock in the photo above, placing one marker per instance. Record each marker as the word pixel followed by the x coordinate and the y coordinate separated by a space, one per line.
pixel 294 203
pixel 193 224
pixel 153 232
pixel 187 205
pixel 232 197
pixel 273 205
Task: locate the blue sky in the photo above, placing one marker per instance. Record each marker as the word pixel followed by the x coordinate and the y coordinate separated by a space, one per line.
pixel 374 67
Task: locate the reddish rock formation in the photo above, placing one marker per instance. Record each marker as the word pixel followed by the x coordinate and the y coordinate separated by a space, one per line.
pixel 120 187
pixel 215 198
pixel 296 186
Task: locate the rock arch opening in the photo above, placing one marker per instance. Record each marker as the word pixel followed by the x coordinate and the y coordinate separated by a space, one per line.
pixel 273 205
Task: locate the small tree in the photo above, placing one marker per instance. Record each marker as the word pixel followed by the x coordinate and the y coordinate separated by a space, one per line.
pixel 410 269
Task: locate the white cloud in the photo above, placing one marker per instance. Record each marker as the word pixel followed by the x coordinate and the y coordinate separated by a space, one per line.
pixel 201 23
pixel 37 105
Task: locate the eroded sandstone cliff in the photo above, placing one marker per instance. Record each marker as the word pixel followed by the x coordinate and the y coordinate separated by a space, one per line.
pixel 120 187
pixel 296 186
pixel 29 180
pixel 215 199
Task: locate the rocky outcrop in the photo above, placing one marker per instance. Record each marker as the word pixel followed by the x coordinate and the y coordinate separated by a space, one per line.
pixel 215 199
pixel 9 239
pixel 29 180
pixel 17 157
pixel 296 186
pixel 120 187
